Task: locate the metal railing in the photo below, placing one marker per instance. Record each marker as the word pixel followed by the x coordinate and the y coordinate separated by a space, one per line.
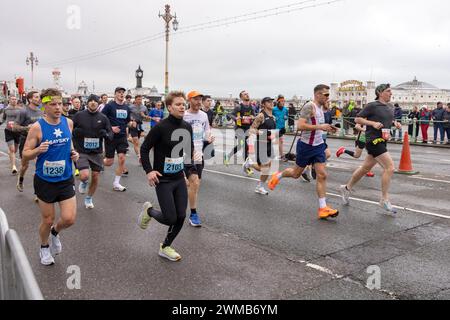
pixel 17 281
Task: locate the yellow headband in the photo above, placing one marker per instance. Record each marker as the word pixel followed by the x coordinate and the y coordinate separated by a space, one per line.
pixel 48 99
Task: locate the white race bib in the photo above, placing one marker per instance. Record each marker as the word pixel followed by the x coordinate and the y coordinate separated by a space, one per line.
pixel 121 114
pixel 173 165
pixel 54 168
pixel 91 143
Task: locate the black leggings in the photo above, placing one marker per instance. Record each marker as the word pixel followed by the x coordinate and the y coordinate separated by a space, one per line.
pixel 173 200
pixel 240 136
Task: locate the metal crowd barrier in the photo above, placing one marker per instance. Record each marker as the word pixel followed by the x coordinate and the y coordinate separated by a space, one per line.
pixel 17 281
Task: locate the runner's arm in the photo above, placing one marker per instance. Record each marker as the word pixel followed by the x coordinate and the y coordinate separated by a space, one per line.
pixel 30 151
pixel 254 128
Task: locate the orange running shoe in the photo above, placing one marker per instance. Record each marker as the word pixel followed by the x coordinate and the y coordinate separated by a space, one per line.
pixel 370 174
pixel 328 212
pixel 274 181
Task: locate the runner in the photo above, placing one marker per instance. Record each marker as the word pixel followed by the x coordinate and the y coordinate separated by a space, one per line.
pixel 49 140
pixel 103 102
pixel 76 107
pixel 27 117
pixel 119 116
pixel 360 145
pixel 90 127
pixel 10 116
pixel 201 133
pixel 243 116
pixel 281 114
pixel 138 115
pixel 167 172
pixel 156 114
pixel 378 117
pixel 264 127
pixel 311 149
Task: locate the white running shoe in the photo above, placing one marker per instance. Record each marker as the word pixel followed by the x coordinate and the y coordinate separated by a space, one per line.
pixel 88 203
pixel 261 190
pixel 55 245
pixel 143 218
pixel 345 194
pixel 119 188
pixel 82 188
pixel 246 167
pixel 386 205
pixel 46 257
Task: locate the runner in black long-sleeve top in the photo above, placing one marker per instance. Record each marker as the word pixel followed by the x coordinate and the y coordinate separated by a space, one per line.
pixel 171 141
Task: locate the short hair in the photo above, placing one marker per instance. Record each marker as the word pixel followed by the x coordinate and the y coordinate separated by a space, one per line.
pixel 30 95
pixel 204 98
pixel 439 103
pixel 104 95
pixel 138 96
pixel 128 96
pixel 240 93
pixel 76 98
pixel 321 87
pixel 172 95
pixel 51 92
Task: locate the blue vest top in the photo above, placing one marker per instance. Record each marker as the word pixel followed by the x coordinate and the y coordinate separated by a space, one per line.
pixel 55 165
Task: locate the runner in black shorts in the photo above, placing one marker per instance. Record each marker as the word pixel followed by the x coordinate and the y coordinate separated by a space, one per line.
pixel 138 115
pixel 49 140
pixel 167 173
pixel 119 115
pixel 90 128
pixel 378 117
pixel 12 137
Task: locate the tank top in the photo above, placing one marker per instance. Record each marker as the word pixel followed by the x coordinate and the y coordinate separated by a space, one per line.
pixel 268 126
pixel 315 137
pixel 55 165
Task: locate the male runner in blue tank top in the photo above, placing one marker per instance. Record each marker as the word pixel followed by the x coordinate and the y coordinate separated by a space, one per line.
pixel 49 140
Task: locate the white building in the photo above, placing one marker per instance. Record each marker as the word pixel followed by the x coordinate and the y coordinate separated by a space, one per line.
pixel 407 94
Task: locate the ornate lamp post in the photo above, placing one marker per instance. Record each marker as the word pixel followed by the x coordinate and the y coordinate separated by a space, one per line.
pixel 32 60
pixel 168 17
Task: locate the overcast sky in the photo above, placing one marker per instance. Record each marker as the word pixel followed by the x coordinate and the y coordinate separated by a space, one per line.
pixel 382 40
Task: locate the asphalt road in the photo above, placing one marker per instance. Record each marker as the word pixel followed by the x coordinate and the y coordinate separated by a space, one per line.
pixel 252 246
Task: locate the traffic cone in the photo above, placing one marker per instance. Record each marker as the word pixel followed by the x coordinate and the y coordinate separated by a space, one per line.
pixel 405 160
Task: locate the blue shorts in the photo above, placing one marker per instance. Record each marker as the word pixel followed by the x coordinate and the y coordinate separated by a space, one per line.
pixel 307 154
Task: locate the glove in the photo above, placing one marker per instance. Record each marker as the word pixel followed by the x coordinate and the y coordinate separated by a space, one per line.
pixel 103 133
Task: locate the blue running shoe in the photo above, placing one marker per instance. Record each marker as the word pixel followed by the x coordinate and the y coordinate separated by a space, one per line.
pixel 194 220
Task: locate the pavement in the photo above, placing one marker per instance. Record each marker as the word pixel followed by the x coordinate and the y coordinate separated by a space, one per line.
pixel 251 246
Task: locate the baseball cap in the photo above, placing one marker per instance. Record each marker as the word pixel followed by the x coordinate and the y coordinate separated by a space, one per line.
pixel 93 97
pixel 119 89
pixel 280 96
pixel 194 94
pixel 266 99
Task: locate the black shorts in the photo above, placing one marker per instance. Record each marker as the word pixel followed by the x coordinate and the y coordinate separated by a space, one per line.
pixel 94 161
pixel 282 132
pixel 12 136
pixel 136 132
pixel 360 144
pixel 119 144
pixel 376 150
pixel 52 192
pixel 264 155
pixel 191 169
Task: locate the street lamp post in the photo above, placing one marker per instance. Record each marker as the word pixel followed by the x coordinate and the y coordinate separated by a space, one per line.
pixel 168 17
pixel 32 60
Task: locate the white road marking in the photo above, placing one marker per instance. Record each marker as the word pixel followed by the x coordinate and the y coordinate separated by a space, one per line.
pixel 429 179
pixel 338 196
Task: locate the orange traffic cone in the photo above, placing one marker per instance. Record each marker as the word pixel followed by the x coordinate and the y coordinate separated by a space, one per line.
pixel 405 160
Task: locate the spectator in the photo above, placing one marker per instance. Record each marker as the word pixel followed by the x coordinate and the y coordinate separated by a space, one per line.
pixel 438 117
pixel 292 113
pixel 413 115
pixel 424 119
pixel 447 122
pixel 218 111
pixel 398 115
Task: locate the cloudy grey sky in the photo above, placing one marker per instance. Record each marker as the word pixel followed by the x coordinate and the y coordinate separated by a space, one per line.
pixel 383 40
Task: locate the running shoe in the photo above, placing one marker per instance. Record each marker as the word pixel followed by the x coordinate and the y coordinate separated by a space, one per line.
pixel 226 160
pixel 313 174
pixel 327 212
pixel 261 190
pixel 36 199
pixel 305 177
pixel 168 253
pixel 46 257
pixel 386 205
pixel 19 185
pixel 370 174
pixel 119 188
pixel 125 173
pixel 274 181
pixel 77 173
pixel 14 170
pixel 246 167
pixel 88 203
pixel 55 245
pixel 345 194
pixel 194 220
pixel 82 188
pixel 340 151
pixel 143 218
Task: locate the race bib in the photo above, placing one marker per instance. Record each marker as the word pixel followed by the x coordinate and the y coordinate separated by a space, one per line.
pixel 91 143
pixel 173 165
pixel 54 168
pixel 121 114
pixel 197 133
pixel 246 120
pixel 10 125
pixel 386 134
